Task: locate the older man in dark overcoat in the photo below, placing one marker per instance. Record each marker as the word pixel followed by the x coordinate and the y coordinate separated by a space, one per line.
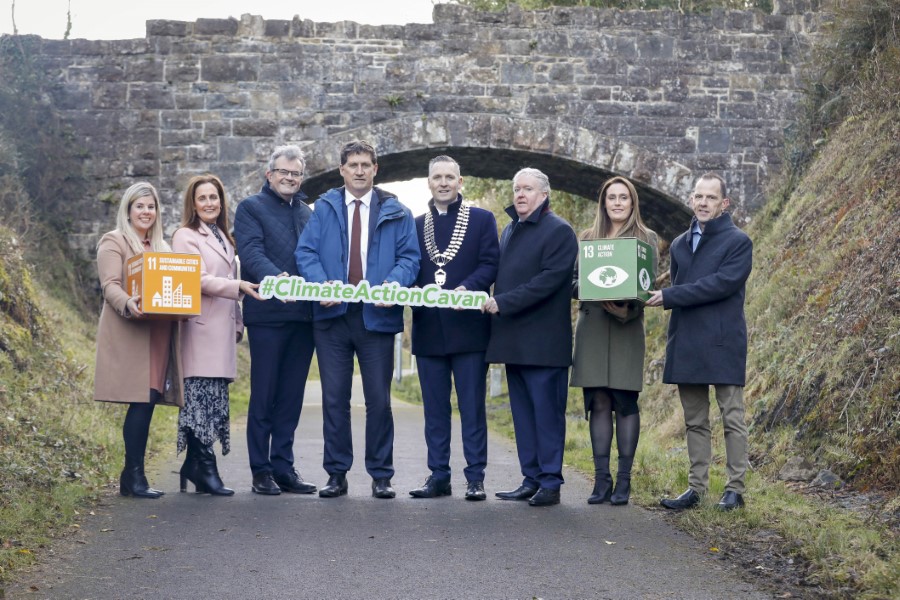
pixel 707 341
pixel 531 332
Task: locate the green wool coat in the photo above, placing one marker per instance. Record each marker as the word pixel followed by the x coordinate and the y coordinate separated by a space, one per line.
pixel 609 352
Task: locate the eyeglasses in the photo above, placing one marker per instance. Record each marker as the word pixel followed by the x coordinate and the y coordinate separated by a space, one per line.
pixel 285 173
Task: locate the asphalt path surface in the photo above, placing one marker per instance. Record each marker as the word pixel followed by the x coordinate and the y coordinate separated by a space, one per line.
pixel 302 546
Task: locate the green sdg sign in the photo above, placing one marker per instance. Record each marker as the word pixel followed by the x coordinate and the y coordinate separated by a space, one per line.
pixel 615 269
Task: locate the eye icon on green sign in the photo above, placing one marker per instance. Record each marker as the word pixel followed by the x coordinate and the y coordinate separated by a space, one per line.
pixel 608 276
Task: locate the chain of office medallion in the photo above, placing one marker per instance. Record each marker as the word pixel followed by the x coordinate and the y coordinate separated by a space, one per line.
pixel 459 232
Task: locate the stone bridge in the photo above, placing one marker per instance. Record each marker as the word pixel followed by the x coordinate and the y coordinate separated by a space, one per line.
pixel 657 96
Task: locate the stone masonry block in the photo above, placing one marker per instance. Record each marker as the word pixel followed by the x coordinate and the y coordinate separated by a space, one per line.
pixel 234 149
pixel 216 26
pixel 229 68
pixel 714 140
pixel 168 28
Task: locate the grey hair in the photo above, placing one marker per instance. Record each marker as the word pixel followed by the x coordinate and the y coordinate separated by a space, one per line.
pixel 539 175
pixel 290 152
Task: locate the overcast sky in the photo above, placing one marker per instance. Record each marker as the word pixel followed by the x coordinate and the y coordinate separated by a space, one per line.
pixel 124 19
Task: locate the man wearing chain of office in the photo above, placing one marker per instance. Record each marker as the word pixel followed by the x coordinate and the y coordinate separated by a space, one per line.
pixel 460 251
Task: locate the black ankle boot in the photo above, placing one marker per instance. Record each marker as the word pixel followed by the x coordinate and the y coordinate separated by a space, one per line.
pixel 602 486
pixel 133 482
pixel 188 470
pixel 208 473
pixel 622 492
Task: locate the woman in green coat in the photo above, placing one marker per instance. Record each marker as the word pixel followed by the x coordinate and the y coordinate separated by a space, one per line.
pixel 609 351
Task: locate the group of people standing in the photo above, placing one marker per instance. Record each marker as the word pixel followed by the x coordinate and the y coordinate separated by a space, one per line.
pixel 361 232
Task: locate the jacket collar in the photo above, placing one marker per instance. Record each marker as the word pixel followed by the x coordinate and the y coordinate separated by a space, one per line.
pixel 534 217
pixel 714 226
pixel 452 208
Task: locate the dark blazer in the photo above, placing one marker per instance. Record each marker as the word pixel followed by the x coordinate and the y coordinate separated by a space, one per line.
pixel 443 331
pixel 707 342
pixel 534 291
pixel 266 229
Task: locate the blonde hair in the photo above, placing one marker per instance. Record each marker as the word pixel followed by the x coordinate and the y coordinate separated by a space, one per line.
pixel 634 226
pixel 123 222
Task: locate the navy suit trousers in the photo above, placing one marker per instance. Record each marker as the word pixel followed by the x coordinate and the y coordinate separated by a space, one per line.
pixel 469 372
pixel 337 340
pixel 279 364
pixel 537 397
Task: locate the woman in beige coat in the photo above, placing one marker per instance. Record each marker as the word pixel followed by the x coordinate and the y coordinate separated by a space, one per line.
pixel 208 340
pixel 137 359
pixel 608 359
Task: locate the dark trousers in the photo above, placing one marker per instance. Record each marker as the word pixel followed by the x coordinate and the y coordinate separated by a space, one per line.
pixel 468 371
pixel 279 364
pixel 337 340
pixel 537 397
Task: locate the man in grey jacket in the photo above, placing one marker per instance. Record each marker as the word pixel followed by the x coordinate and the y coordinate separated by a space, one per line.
pixel 707 341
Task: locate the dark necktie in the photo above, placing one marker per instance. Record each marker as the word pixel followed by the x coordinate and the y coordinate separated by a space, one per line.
pixel 355 272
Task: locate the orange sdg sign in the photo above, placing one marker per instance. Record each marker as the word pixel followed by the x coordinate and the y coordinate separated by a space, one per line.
pixel 167 283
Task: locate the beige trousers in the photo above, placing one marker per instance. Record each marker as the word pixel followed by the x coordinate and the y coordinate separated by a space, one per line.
pixel 695 402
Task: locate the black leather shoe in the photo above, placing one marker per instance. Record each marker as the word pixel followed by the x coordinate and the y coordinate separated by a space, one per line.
pixel 432 488
pixel 544 497
pixel 293 483
pixel 523 492
pixel 475 491
pixel 730 501
pixel 381 488
pixel 336 486
pixel 689 499
pixel 265 485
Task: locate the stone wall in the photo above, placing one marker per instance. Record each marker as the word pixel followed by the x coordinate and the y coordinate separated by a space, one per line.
pixel 658 96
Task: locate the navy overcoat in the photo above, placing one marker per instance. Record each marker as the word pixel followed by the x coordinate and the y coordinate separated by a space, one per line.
pixel 444 331
pixel 534 292
pixel 707 342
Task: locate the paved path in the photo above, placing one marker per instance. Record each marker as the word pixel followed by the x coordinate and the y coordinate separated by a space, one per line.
pixel 250 546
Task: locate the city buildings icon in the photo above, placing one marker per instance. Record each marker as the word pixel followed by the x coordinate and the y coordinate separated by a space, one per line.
pixel 172 298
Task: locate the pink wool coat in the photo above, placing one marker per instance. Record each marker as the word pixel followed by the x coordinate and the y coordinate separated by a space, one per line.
pixel 122 371
pixel 208 341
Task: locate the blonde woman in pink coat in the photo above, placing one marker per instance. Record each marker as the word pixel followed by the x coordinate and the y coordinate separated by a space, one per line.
pixel 208 340
pixel 138 359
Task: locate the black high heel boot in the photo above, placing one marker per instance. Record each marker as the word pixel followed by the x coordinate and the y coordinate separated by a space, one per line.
pixel 603 482
pixel 133 482
pixel 188 470
pixel 208 472
pixel 622 492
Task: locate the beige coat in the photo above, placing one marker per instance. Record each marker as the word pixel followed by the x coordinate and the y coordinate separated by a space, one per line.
pixel 122 371
pixel 208 341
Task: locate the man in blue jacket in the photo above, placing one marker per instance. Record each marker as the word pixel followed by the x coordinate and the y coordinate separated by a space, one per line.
pixel 460 251
pixel 266 228
pixel 707 342
pixel 358 232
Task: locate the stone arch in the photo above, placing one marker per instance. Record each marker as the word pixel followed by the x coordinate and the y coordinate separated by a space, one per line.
pixel 494 146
